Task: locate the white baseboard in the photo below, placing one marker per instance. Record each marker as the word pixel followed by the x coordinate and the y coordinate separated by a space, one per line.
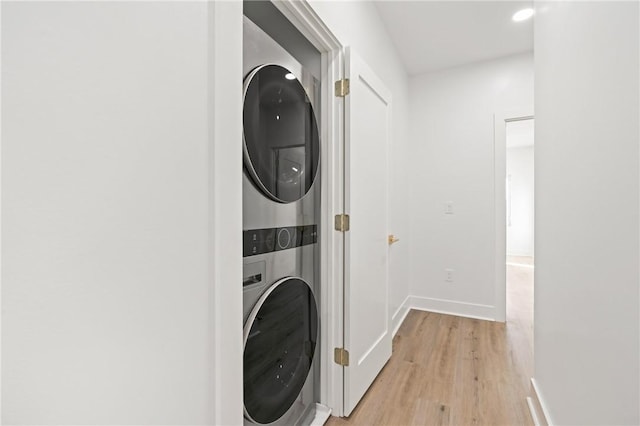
pixel 533 411
pixel 541 402
pixel 322 415
pixel 451 307
pixel 399 315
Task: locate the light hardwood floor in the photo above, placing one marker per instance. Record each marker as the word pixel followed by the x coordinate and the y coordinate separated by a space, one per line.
pixel 448 370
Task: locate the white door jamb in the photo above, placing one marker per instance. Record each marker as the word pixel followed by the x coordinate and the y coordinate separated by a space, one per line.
pixel 500 226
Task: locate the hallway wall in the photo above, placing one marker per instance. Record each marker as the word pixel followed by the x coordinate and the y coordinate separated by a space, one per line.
pixel 111 281
pixel 587 166
pixel 452 148
pixel 357 24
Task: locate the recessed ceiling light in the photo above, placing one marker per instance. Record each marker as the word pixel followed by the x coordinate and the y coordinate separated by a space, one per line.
pixel 522 15
pixel 290 76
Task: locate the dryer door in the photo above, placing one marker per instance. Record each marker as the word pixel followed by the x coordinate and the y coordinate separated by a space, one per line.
pixel 281 142
pixel 280 337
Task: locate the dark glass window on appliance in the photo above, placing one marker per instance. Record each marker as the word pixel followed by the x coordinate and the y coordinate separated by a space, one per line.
pixel 280 134
pixel 279 351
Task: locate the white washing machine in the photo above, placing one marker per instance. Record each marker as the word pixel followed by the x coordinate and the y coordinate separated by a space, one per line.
pixel 281 201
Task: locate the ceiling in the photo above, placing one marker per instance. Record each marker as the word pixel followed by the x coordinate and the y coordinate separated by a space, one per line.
pixel 432 35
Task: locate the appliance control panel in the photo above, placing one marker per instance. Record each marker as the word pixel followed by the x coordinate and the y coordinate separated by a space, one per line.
pixel 260 241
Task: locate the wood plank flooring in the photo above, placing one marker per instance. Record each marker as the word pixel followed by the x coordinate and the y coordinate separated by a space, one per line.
pixel 448 370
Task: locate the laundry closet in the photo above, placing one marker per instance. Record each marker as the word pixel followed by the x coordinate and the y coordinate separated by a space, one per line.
pixel 316 158
pixel 153 237
pixel 281 212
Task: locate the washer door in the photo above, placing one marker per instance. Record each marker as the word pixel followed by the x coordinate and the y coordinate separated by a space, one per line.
pixel 280 337
pixel 281 142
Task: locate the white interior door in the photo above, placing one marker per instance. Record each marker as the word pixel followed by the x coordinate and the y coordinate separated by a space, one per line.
pixel 367 334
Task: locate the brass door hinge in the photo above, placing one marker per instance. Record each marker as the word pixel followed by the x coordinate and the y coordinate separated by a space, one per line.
pixel 341 356
pixel 342 88
pixel 342 222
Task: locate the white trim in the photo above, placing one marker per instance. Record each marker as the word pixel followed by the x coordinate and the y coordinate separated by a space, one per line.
pixel 322 415
pixel 1 305
pixel 452 307
pixel 399 315
pixel 500 226
pixel 533 412
pixel 224 65
pixel 541 402
pixel 306 20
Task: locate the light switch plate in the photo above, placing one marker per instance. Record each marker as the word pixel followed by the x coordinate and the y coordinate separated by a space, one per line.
pixel 448 275
pixel 448 207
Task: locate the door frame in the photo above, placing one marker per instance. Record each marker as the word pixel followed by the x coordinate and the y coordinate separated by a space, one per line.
pixel 224 161
pixel 307 21
pixel 499 195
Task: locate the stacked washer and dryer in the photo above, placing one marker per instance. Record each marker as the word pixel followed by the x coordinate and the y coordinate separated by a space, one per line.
pixel 281 200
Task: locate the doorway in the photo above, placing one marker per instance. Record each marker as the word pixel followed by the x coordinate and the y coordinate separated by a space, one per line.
pixel 517 121
pixel 519 231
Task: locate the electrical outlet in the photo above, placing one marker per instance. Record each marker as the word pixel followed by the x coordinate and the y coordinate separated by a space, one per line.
pixel 448 275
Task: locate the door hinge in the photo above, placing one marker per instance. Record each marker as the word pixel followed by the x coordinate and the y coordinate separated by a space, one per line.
pixel 342 88
pixel 341 356
pixel 342 222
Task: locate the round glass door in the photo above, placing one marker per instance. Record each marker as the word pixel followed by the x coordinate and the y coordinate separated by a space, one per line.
pixel 281 142
pixel 280 337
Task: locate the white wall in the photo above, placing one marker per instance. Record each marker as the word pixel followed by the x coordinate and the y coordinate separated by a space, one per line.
pixel 587 211
pixel 108 294
pixel 452 126
pixel 357 24
pixel 519 200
